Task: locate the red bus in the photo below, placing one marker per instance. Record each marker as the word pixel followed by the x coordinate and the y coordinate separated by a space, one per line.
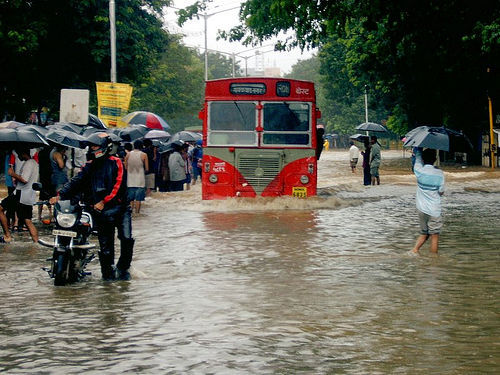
pixel 259 138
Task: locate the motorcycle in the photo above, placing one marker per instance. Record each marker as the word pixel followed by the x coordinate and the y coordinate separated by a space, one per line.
pixel 71 249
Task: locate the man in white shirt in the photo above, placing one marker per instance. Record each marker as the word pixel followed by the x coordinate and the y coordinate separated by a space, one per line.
pixel 23 198
pixel 430 188
pixel 353 156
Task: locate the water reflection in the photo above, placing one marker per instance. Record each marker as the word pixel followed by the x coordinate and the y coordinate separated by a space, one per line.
pixel 276 287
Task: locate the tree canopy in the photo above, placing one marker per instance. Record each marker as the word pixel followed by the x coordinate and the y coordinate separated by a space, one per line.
pixel 52 44
pixel 425 60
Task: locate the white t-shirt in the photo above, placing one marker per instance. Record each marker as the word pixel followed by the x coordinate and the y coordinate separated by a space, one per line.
pixel 29 172
pixel 353 152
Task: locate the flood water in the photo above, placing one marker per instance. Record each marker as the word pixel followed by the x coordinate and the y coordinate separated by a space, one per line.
pixel 277 286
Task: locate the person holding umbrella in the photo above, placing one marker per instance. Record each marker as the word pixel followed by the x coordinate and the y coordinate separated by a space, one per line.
pixel 430 188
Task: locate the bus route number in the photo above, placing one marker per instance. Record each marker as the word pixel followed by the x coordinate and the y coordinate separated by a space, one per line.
pixel 299 192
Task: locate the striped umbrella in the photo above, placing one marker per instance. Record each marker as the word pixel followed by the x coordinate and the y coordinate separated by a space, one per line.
pixel 148 119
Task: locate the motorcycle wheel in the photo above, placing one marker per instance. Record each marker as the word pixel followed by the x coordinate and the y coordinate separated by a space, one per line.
pixel 61 270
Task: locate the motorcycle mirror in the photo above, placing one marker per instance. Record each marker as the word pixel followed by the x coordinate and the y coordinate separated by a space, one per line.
pixel 37 186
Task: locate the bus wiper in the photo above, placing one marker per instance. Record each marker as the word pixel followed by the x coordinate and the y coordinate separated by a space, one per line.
pixel 241 114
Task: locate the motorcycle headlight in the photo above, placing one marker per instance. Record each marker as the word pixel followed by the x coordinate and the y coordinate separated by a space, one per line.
pixel 66 220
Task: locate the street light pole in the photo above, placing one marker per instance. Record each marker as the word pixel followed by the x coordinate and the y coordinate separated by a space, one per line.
pixel 366 103
pixel 112 35
pixel 205 18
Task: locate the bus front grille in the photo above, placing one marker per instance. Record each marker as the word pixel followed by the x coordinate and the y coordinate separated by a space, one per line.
pixel 259 170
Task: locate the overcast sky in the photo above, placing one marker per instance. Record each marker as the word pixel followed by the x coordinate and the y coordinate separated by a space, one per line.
pixel 194 35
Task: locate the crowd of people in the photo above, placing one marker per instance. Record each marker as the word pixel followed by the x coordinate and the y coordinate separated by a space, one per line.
pixel 147 169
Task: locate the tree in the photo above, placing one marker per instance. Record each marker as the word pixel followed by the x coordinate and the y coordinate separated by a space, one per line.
pixel 426 60
pixel 52 44
pixel 174 87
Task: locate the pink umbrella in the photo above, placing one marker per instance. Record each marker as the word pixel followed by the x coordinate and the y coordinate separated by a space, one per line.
pixel 148 119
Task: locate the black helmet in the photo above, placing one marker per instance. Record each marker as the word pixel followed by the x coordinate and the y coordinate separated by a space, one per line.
pixel 102 140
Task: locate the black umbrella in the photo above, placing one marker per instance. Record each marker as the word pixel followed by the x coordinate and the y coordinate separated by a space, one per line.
pixel 359 137
pixel 132 133
pixel 169 146
pixel 438 138
pixel 96 122
pixel 11 125
pixel 90 130
pixel 66 138
pixel 371 127
pixel 12 138
pixel 186 136
pixel 42 131
pixel 78 129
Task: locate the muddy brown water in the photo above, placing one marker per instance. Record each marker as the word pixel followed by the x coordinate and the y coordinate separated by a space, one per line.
pixel 274 286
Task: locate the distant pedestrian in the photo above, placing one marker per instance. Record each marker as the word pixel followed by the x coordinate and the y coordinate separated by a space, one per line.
pixel 177 168
pixel 58 164
pixel 353 156
pixel 320 132
pixel 23 198
pixel 136 163
pixel 367 177
pixel 150 151
pixel 196 160
pixel 430 188
pixel 48 191
pixel 375 160
pixel 188 167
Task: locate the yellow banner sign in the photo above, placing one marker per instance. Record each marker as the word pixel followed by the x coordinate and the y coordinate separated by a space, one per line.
pixel 113 100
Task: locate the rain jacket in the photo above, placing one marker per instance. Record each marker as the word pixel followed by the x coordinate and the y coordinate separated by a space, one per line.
pixel 99 180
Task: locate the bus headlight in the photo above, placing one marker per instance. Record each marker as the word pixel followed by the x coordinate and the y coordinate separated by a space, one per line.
pixel 213 178
pixel 304 179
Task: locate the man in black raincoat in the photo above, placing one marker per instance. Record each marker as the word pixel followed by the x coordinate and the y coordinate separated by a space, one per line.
pixel 102 184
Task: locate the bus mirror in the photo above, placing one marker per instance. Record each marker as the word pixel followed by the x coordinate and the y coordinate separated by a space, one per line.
pixel 201 114
pixel 318 113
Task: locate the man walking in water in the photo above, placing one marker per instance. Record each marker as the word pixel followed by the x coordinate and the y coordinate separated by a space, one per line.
pixel 353 156
pixel 374 160
pixel 430 187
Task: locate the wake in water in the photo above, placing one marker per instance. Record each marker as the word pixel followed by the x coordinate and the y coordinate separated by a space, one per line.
pixel 338 187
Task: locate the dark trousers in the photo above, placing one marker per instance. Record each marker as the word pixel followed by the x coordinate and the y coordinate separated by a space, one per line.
pixel 121 219
pixel 177 185
pixel 367 177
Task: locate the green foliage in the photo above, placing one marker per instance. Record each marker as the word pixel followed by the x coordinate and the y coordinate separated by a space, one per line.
pixel 425 61
pixel 48 45
pixel 174 87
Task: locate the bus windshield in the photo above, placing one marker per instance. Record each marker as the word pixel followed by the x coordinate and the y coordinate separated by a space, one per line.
pixel 232 123
pixel 287 123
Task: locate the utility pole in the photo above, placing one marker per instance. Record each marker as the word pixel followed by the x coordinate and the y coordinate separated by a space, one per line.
pixel 366 106
pixel 492 134
pixel 366 103
pixel 112 34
